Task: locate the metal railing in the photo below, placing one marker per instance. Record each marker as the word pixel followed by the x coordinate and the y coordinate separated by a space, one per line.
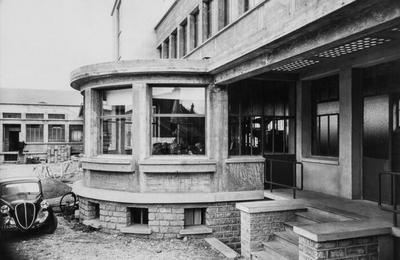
pixel 392 207
pixel 272 183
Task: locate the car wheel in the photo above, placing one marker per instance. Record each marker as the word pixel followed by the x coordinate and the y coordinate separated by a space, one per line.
pixel 51 224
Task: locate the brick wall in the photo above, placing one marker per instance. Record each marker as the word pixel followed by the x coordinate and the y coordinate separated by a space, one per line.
pixel 167 220
pixel 355 248
pixel 258 227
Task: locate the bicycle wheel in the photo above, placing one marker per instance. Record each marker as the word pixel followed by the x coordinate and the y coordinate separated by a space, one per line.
pixel 68 203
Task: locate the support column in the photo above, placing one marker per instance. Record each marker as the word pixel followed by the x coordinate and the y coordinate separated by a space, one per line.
pixel 92 127
pixel 350 132
pixel 66 137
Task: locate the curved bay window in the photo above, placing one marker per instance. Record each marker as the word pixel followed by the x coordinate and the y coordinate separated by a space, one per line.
pixel 261 118
pixel 116 121
pixel 325 111
pixel 178 122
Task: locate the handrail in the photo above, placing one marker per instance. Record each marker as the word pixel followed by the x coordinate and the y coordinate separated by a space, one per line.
pixel 393 194
pixel 271 182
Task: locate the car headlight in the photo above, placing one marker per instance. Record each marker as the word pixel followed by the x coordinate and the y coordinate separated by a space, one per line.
pixel 4 209
pixel 44 204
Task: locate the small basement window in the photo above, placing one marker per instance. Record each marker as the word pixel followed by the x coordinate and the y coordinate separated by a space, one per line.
pixel 195 217
pixel 94 210
pixel 139 216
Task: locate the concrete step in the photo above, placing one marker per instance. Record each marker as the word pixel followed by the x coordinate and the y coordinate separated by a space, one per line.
pixel 280 251
pixel 300 221
pixel 287 236
pixel 321 216
pixel 222 248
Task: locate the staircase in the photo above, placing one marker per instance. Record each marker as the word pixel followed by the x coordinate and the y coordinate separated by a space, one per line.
pixel 284 245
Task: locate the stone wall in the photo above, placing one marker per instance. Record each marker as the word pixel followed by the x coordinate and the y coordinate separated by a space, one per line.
pixel 355 248
pixel 167 220
pixel 258 227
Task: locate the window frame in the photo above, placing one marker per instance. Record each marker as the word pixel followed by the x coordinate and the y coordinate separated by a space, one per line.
pixel 70 132
pixel 50 133
pixel 102 118
pixel 203 220
pixel 41 132
pixel 163 115
pixel 54 116
pixel 34 116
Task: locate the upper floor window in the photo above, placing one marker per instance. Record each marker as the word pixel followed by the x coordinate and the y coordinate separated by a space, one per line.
pixel 194 28
pixel 183 39
pixel 325 116
pixel 225 13
pixel 56 116
pixel 178 122
pixel 116 121
pixel 246 5
pixel 34 116
pixel 11 115
pixel 165 49
pixel 208 16
pixel 174 45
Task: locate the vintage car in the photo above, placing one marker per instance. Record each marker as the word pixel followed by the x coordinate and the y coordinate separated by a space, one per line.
pixel 22 206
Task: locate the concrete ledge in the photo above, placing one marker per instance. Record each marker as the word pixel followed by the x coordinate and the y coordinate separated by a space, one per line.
pixel 94 223
pixel 108 164
pixel 164 198
pixel 173 165
pixel 343 230
pixel 245 159
pixel 329 161
pixel 272 206
pixel 222 248
pixel 136 229
pixel 195 230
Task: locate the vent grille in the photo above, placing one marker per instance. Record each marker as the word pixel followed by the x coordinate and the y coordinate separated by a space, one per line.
pixel 354 46
pixel 296 65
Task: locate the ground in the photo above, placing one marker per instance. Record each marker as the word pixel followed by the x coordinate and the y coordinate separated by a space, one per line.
pixel 72 241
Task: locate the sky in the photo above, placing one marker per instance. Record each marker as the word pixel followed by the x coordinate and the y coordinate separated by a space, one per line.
pixel 42 41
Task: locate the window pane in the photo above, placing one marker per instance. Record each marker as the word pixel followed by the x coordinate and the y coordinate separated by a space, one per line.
pixel 233 135
pixel 117 102
pixel 179 100
pixel 56 116
pixel 117 136
pixel 56 133
pixel 11 115
pixel 34 116
pixel 75 133
pixel 34 133
pixel 178 135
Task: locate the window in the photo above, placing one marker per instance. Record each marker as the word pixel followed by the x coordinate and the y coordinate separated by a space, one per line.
pixel 34 116
pixel 159 49
pixel 225 12
pixel 93 210
pixel 325 116
pixel 56 133
pixel 261 121
pixel 178 125
pixel 75 133
pixel 195 28
pixel 246 5
pixel 166 49
pixel 34 133
pixel 116 121
pixel 174 45
pixel 11 115
pixel 139 216
pixel 183 39
pixel 208 19
pixel 56 116
pixel 195 217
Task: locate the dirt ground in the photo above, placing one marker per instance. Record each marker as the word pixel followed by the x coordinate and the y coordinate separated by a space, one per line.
pixel 72 241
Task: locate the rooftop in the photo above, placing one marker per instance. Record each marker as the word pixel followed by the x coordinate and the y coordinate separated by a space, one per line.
pixel 40 97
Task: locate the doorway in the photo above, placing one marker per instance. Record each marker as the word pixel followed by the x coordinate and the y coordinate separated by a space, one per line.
pixel 11 138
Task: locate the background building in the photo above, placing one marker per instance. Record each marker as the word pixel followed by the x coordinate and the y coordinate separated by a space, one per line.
pixel 46 121
pixel 294 82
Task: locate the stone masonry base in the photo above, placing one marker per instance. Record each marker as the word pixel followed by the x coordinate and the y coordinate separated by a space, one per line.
pixel 166 220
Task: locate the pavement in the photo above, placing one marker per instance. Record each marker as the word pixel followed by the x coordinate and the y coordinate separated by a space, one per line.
pixel 16 170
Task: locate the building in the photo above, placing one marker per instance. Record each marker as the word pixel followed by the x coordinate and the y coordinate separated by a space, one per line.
pixel 40 124
pixel 175 140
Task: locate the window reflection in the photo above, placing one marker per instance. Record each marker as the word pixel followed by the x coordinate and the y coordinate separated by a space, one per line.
pixel 116 121
pixel 178 124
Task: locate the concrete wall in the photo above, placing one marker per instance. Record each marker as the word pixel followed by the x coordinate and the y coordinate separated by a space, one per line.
pixel 137 21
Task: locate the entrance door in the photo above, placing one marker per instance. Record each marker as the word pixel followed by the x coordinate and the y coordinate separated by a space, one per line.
pixel 376 144
pixel 11 137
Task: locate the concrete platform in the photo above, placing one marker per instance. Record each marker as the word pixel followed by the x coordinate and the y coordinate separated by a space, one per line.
pixel 361 209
